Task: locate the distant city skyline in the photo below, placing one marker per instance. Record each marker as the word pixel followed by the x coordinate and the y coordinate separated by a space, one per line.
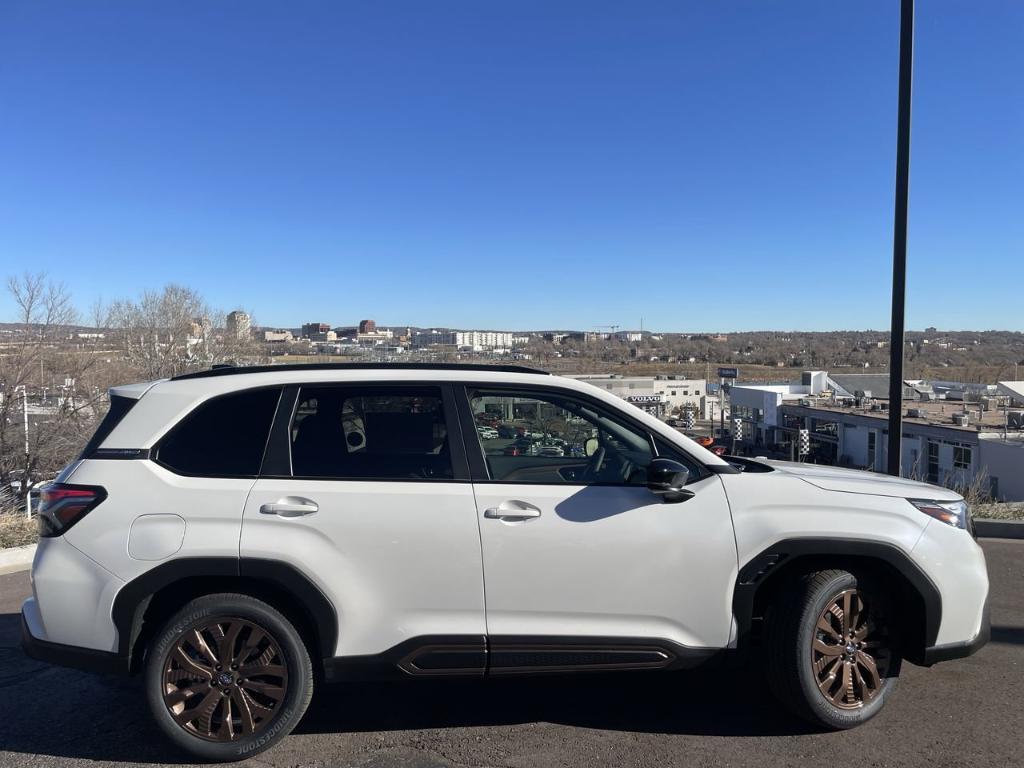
pixel 530 166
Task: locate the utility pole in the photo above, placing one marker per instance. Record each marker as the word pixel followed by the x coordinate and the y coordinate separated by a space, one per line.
pixel 24 414
pixel 899 242
pixel 721 405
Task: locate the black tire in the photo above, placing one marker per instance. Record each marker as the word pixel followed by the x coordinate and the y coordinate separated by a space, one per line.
pixel 799 668
pixel 258 711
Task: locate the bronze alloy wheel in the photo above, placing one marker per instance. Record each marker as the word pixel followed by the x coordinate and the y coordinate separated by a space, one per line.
pixel 850 652
pixel 224 680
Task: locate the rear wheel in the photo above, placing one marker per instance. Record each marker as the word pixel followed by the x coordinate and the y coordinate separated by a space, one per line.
pixel 227 677
pixel 833 657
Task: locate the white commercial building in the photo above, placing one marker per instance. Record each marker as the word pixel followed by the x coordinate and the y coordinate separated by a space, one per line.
pixel 660 394
pixel 375 337
pixel 479 340
pixel 278 336
pixel 476 341
pixel 959 444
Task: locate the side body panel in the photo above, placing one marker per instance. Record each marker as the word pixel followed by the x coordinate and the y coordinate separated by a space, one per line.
pixel 211 509
pixel 397 559
pixel 770 506
pixel 76 577
pixel 610 562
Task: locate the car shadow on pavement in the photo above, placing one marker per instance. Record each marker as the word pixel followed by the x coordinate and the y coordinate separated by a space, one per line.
pixel 720 701
pixel 47 710
pixel 1007 635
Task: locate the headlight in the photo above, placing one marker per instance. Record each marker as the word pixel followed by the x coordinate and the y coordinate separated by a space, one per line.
pixel 953 513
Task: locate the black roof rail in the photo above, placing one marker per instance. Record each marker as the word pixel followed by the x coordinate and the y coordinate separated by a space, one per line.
pixel 231 370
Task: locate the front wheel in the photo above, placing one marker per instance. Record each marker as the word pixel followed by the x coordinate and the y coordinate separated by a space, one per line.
pixel 832 655
pixel 227 677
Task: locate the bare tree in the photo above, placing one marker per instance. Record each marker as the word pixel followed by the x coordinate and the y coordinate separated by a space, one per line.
pixel 54 379
pixel 174 330
pixel 45 398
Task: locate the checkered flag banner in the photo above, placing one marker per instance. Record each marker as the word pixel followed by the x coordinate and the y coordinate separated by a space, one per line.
pixel 804 442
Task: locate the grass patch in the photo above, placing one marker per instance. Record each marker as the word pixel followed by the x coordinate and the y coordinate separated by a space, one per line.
pixel 16 530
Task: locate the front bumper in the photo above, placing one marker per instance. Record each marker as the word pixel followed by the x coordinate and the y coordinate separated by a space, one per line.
pixel 950 651
pixel 86 659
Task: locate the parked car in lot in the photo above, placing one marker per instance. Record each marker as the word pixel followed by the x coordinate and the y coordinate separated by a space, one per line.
pixel 507 431
pixel 487 433
pixel 526 445
pixel 709 443
pixel 237 536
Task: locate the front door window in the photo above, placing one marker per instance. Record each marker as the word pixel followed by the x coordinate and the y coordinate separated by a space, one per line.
pixel 555 439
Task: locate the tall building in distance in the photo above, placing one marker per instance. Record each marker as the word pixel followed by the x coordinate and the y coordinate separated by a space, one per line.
pixel 367 334
pixel 312 330
pixel 238 324
pixel 199 327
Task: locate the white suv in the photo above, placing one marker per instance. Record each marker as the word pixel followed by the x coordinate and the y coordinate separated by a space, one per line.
pixel 236 534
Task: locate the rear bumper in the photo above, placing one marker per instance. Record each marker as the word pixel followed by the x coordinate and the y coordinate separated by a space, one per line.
pixel 86 659
pixel 950 651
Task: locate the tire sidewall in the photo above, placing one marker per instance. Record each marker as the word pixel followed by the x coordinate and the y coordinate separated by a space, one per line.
pixel 300 679
pixel 822 709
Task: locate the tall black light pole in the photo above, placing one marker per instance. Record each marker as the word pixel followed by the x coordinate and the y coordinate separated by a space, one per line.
pixel 899 240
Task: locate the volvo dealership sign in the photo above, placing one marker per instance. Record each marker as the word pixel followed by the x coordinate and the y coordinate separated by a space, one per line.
pixel 728 373
pixel 643 399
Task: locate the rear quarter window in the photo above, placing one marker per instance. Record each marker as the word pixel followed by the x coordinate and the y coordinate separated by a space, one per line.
pixel 119 407
pixel 223 437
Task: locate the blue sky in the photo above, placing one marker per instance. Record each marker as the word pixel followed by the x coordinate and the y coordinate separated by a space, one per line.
pixel 703 165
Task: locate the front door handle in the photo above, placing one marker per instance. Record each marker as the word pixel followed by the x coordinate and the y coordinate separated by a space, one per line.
pixel 512 511
pixel 290 506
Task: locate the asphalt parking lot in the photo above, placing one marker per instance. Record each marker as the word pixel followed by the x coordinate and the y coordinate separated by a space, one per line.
pixel 967 712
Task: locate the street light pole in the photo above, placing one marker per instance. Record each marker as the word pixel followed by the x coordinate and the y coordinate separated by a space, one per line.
pixel 899 243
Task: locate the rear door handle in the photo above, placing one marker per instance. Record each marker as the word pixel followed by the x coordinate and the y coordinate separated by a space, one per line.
pixel 512 510
pixel 290 506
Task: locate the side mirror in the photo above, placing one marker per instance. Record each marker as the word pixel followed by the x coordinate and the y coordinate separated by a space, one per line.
pixel 667 478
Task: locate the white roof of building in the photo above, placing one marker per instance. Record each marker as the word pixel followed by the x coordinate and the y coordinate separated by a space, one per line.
pixel 1014 389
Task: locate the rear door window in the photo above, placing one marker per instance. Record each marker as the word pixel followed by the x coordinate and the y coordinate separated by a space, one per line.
pixel 370 433
pixel 223 437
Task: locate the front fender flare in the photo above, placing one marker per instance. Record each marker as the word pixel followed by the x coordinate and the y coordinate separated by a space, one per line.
pixel 759 570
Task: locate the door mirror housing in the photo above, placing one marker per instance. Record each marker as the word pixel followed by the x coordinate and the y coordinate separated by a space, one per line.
pixel 667 478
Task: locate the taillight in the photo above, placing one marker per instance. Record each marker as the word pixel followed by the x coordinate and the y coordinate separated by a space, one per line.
pixel 61 505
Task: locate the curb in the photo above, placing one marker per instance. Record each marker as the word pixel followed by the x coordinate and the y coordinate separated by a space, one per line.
pixel 16 559
pixel 999 529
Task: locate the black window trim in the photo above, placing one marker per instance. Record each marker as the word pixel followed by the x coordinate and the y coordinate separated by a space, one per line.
pixel 154 452
pixel 478 462
pixel 277 463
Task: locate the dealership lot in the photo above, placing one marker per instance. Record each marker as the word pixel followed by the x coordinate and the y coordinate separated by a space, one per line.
pixel 957 714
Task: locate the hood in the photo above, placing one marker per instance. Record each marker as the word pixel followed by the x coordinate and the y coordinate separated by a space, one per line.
pixel 858 481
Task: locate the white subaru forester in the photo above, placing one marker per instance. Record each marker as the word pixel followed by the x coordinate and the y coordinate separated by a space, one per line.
pixel 234 535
